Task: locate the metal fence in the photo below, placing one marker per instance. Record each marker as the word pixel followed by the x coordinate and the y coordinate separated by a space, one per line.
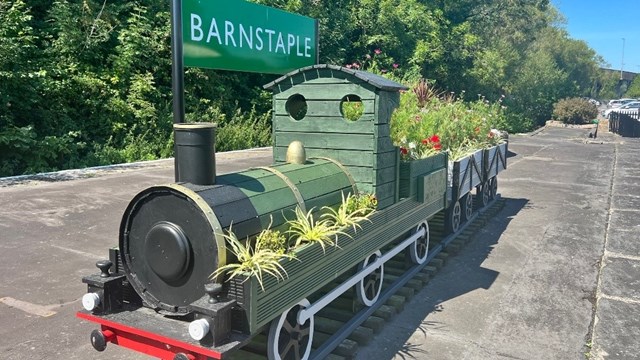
pixel 627 125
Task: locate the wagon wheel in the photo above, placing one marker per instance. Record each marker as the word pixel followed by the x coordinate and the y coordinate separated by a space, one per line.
pixel 454 217
pixel 369 288
pixel 482 194
pixel 467 206
pixel 419 250
pixel 493 187
pixel 289 340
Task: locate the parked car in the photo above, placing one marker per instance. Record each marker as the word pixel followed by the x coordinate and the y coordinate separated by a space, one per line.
pixel 619 102
pixel 630 107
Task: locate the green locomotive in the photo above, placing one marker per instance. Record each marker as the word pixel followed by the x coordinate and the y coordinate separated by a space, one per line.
pixel 156 295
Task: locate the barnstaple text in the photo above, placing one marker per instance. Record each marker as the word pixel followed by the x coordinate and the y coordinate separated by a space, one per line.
pixel 252 37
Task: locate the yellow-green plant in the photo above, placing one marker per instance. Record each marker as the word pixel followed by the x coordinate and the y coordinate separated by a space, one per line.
pixel 305 229
pixel 350 213
pixel 273 240
pixel 252 261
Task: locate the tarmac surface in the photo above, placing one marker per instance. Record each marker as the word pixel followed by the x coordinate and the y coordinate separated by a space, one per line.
pixel 555 275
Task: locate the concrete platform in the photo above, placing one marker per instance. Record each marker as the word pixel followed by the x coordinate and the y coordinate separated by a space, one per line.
pixel 553 276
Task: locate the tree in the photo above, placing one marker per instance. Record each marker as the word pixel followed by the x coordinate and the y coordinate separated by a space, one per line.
pixel 634 89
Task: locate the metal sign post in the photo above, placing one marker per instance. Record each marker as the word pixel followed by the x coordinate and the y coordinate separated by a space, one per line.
pixel 236 35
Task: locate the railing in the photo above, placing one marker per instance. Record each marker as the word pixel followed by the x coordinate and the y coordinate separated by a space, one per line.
pixel 627 125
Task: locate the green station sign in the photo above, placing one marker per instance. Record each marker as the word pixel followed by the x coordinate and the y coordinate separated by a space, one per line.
pixel 243 36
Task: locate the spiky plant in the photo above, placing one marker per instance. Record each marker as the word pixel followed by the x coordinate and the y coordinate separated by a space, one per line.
pixel 254 262
pixel 349 214
pixel 305 229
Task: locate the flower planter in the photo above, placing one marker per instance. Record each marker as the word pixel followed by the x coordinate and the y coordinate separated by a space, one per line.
pixel 495 160
pixel 314 267
pixel 410 171
pixel 466 173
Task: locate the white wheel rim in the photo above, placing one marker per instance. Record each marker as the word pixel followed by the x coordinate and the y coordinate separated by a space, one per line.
pixel 420 248
pixel 363 290
pixel 455 216
pixel 468 207
pixel 289 323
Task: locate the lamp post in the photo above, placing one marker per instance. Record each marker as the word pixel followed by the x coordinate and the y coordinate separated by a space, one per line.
pixel 622 62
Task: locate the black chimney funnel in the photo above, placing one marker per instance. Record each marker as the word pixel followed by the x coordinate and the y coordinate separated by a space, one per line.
pixel 195 158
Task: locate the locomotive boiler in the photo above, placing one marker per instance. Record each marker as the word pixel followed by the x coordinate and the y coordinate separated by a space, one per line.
pixel 156 294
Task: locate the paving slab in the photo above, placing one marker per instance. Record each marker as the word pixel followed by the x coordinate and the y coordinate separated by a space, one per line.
pixel 53 228
pixel 623 241
pixel 621 278
pixel 617 331
pixel 525 287
pixel 625 201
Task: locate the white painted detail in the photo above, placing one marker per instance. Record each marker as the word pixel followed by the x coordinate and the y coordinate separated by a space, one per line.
pixel 90 301
pixel 198 329
pixel 308 312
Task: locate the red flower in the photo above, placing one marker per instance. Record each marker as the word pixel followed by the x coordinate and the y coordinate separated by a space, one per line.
pixel 434 139
pixel 437 146
pixel 403 151
pixel 425 141
pixel 477 130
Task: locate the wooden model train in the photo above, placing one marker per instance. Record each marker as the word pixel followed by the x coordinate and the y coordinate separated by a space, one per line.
pixel 155 294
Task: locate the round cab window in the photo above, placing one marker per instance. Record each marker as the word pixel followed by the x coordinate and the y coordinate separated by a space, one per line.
pixel 296 106
pixel 351 107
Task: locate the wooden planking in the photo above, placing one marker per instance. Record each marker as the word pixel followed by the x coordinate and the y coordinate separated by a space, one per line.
pixel 312 91
pixel 382 176
pixel 386 103
pixel 347 158
pixel 319 187
pixel 324 124
pixel 327 107
pixel 327 141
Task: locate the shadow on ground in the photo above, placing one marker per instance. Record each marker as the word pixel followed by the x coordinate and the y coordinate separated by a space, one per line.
pixel 406 337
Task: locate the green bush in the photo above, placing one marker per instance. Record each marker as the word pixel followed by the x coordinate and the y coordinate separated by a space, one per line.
pixel 574 111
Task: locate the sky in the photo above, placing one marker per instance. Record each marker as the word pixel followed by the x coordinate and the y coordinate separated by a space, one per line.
pixel 602 24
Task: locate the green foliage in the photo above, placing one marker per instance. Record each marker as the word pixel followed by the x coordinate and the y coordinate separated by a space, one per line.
pixel 361 203
pixel 304 228
pixel 255 261
pixel 353 210
pixel 244 131
pixel 444 123
pixel 101 71
pixel 574 111
pixel 634 89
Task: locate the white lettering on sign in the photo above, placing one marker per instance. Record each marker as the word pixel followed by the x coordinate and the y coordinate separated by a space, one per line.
pixel 245 36
pixel 228 33
pixel 259 37
pixel 213 31
pixel 248 38
pixel 196 25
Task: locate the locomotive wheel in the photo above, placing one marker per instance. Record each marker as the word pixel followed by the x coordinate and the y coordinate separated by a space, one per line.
pixel 482 194
pixel 369 288
pixel 455 215
pixel 493 187
pixel 289 340
pixel 419 250
pixel 467 206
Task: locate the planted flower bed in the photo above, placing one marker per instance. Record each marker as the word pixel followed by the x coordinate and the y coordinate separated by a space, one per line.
pixel 314 266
